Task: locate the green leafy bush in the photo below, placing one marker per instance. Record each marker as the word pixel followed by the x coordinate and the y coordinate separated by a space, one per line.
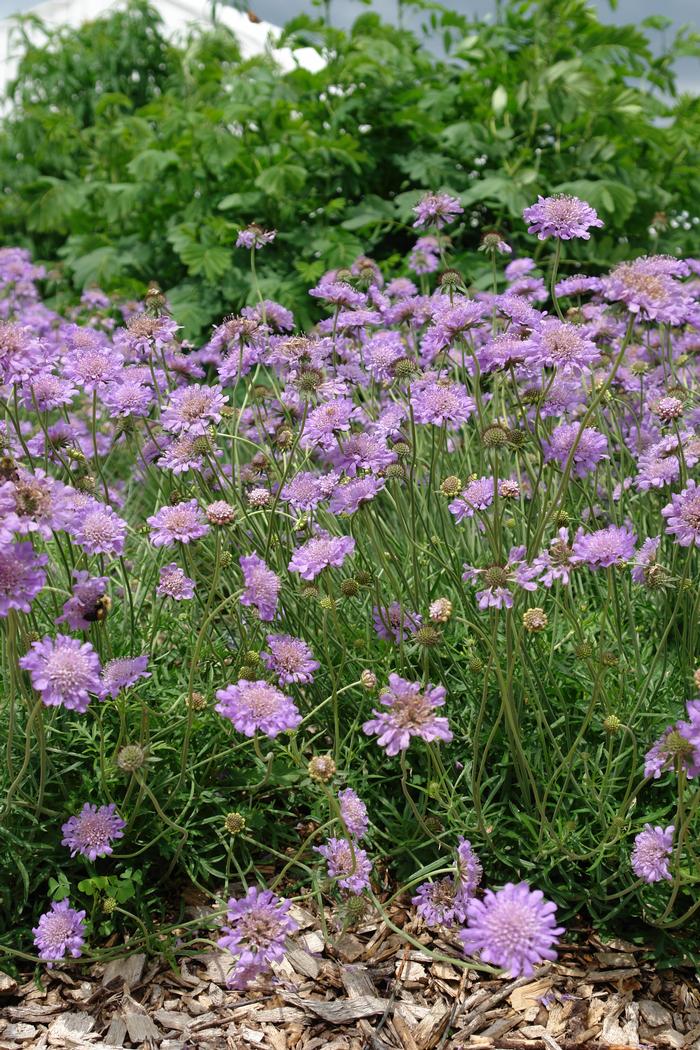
pixel 132 160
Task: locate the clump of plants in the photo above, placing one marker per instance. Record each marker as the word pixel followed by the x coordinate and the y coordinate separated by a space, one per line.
pixel 405 603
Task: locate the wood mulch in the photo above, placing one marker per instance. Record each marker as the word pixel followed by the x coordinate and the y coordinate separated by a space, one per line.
pixel 361 990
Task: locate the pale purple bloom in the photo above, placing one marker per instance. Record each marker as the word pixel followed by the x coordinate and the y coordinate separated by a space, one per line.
pixel 64 671
pixel 683 515
pixel 128 398
pixel 561 216
pixel 645 559
pixel 182 454
pixel 93 366
pixel 477 495
pixel 442 402
pixel 362 451
pixel 349 497
pixel 499 579
pixel 254 237
pixel 326 421
pixel 506 350
pixel 437 209
pixel 306 490
pixel 646 287
pixel 679 745
pixel 518 268
pixel 259 925
pixel 562 345
pixel 513 928
pixel 604 548
pixel 469 869
pixel 425 256
pixel 395 624
pixel 578 284
pixel 98 530
pixel 92 831
pixel 555 563
pixel 347 863
pixel 181 523
pixel 22 576
pixel 81 609
pixel 354 813
pixel 261 586
pixel 32 503
pixel 290 658
pixel 651 853
pixel 381 352
pixel 173 583
pixel 410 713
pixel 319 553
pixel 451 321
pixel 47 391
pixel 120 674
pixel 590 448
pixel 60 932
pixel 441 903
pixel 257 707
pixel 193 409
pixel 337 293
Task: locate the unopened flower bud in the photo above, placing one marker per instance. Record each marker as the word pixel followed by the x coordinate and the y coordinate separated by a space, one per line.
pixel 609 658
pixel 131 757
pixel 583 651
pixel 197 701
pixel 562 519
pixel 475 664
pixel 326 602
pixel 321 768
pixel 451 486
pixel 450 279
pixel 368 680
pixel 428 636
pixel 696 678
pixel 259 498
pixel 109 905
pixel 395 471
pixel 252 657
pixel 440 610
pixel 508 489
pixel 225 559
pixel 234 823
pixel 364 578
pixel 284 439
pixel 220 512
pixel 535 620
pixel 494 436
pixel 612 724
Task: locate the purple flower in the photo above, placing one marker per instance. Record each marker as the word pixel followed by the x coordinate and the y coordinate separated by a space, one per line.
pixel 306 490
pixel 192 409
pixel 513 928
pixel 347 863
pixel 411 712
pixel 441 402
pixel 603 548
pixel 91 833
pixel 82 608
pixel 561 216
pixel 562 345
pixel 128 398
pixel 677 747
pixel 591 448
pixel 120 674
pixel 261 586
pixel 362 451
pixel 381 352
pixel 255 707
pixel 254 237
pixel 290 658
pixel 683 515
pixel 451 320
pixel 652 849
pixel 425 256
pixel 21 576
pixel 395 624
pixel 646 287
pixel 555 563
pixel 477 495
pixel 64 671
pixel 259 925
pixel 60 930
pixel 93 366
pixel 32 503
pixel 47 391
pixel 469 869
pixel 441 903
pixel 326 421
pixel 354 813
pixel 320 552
pixel 98 530
pixel 182 454
pixel 436 209
pixel 645 560
pixel 499 579
pixel 349 497
pixel 181 523
pixel 173 583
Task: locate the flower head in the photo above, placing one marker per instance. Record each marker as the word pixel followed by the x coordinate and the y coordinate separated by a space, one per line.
pixel 395 624
pixel 683 515
pixel 561 216
pixel 120 674
pixel 192 409
pixel 442 403
pixel 604 548
pixel 83 606
pixel 410 713
pixel 469 869
pixel 436 209
pixel 254 237
pixel 92 832
pixel 441 903
pixel 319 553
pixel 290 658
pixel 173 583
pixel 98 530
pixel 347 863
pixel 258 926
pixel 64 671
pixel 354 813
pixel 60 932
pixel 182 523
pixel 652 849
pixel 22 576
pixel 261 586
pixel 257 707
pixel 513 928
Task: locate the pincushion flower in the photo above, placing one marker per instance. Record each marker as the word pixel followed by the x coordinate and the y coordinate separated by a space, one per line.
pixel 122 673
pixel 257 707
pixel 128 398
pixel 562 216
pixel 441 402
pixel 496 581
pixel 319 553
pixel 562 345
pixel 604 548
pixel 354 813
pixel 254 237
pixel 555 563
pixel 326 421
pixel 82 608
pixel 513 928
pixel 60 932
pixel 678 747
pixel 351 496
pixel 395 624
pixel 22 576
pixel 347 863
pixel 477 495
pixel 93 367
pixel 436 209
pixel 441 903
pixel 425 256
pixel 64 671
pixel 92 831
pixel 181 523
pixel 32 502
pixel 261 586
pixel 258 927
pixel 644 567
pixel 174 583
pixel 193 409
pixel 290 658
pixel 589 448
pixel 468 865
pixel 98 530
pixel 306 490
pixel 683 515
pixel 410 712
pixel 647 287
pixel 652 849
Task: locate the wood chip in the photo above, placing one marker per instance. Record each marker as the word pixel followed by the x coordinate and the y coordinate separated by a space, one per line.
pixel 128 971
pixel 340 1011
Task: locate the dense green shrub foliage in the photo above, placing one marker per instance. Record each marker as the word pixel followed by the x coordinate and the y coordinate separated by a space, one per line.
pixel 133 160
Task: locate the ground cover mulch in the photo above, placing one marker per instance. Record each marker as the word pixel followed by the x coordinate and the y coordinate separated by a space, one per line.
pixel 365 989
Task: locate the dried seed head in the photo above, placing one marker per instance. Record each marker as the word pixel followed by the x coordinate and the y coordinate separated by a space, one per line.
pixel 197 701
pixel 495 576
pixel 639 368
pixel 309 590
pixel 517 438
pixel 535 620
pixel 131 757
pixel 402 449
pixel 252 657
pixel 225 559
pixel 609 659
pixel 404 368
pixel 562 519
pixel 395 471
pixel 350 588
pixel 285 438
pixel 322 768
pixel 234 823
pixel 364 578
pixel 440 610
pixel 451 486
pixel 583 651
pixel 246 671
pixel 450 279
pixel 428 636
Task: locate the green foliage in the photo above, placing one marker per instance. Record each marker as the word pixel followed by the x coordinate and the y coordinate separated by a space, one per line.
pixel 132 160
